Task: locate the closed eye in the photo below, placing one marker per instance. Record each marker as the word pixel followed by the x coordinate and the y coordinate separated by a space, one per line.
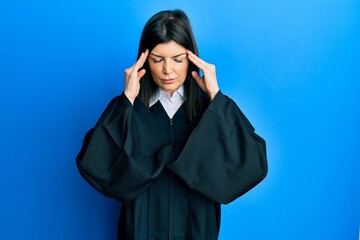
pixel 178 60
pixel 157 60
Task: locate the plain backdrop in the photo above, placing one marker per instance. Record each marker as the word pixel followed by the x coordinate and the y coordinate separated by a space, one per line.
pixel 292 66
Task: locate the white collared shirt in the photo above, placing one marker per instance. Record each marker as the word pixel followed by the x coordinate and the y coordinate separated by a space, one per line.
pixel 170 103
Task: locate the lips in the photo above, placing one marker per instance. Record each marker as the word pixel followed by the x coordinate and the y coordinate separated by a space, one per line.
pixel 168 80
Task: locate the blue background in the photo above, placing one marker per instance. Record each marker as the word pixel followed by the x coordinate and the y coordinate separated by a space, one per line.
pixel 293 67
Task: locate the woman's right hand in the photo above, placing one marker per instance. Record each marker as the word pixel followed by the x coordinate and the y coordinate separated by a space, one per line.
pixel 133 76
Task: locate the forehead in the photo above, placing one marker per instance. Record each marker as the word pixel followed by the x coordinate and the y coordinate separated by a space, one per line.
pixel 168 49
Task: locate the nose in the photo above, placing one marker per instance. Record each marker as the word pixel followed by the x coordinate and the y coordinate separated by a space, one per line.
pixel 167 67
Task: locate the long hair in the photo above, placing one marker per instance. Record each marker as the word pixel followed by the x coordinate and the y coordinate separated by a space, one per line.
pixel 163 27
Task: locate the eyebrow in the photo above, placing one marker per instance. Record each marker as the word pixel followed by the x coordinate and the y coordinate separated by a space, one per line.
pixel 171 57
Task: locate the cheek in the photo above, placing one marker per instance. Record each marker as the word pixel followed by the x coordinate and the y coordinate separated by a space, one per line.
pixel 154 69
pixel 183 70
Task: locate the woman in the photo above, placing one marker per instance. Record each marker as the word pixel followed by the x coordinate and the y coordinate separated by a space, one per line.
pixel 171 147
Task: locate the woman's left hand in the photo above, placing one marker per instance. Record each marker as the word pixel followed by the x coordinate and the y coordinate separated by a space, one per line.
pixel 208 82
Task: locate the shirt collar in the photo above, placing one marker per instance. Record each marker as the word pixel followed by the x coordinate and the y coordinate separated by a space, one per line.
pixel 159 93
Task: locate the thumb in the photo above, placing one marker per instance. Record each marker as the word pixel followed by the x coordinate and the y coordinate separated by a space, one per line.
pixel 198 79
pixel 141 73
pixel 196 76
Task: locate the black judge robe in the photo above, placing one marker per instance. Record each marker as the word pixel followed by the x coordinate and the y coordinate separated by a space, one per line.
pixel 169 175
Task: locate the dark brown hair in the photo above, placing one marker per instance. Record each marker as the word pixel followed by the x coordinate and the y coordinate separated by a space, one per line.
pixel 163 27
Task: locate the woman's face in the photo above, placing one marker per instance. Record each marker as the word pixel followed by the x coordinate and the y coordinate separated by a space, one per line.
pixel 168 64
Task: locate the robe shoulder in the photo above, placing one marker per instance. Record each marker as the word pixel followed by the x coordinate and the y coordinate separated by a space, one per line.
pixel 223 158
pixel 114 159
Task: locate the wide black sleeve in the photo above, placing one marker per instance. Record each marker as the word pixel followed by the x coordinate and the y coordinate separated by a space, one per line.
pixel 114 159
pixel 223 158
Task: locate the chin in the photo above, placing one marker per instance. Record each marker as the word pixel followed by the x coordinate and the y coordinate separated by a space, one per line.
pixel 169 90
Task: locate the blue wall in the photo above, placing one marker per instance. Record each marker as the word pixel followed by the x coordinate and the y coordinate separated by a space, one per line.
pixel 293 67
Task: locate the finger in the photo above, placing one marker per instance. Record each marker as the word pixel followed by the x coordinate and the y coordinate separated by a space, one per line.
pixel 129 70
pixel 204 68
pixel 128 74
pixel 134 69
pixel 196 60
pixel 138 63
pixel 207 68
pixel 141 73
pixel 196 76
pixel 142 59
pixel 198 79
